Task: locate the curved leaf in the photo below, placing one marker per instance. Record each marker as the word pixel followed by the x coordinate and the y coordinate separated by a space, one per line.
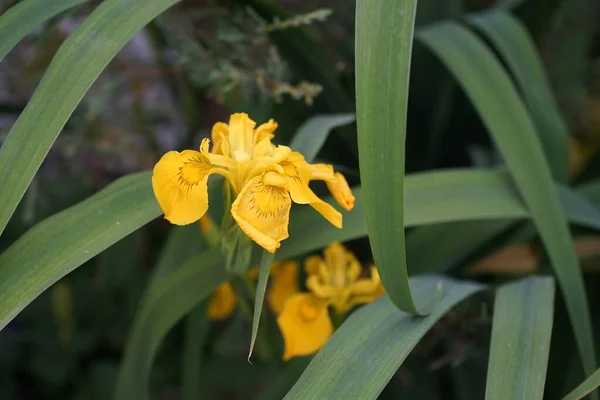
pixel 384 33
pixel 77 64
pixel 311 136
pixel 25 16
pixel 496 100
pixel 59 244
pixel 363 355
pixel 517 48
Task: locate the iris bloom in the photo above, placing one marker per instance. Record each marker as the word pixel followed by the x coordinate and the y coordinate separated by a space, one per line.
pixel 265 178
pixel 333 280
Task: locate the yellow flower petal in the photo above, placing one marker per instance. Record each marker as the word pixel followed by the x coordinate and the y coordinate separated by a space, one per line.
pixel 298 173
pixel 341 192
pixel 305 325
pixel 284 284
pixel 312 263
pixel 222 303
pixel 179 183
pixel 262 210
pixel 220 133
pixel 241 135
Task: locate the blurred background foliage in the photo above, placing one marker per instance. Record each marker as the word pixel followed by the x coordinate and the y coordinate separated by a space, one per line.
pixel 288 60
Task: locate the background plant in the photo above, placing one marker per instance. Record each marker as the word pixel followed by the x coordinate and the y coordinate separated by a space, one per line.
pixel 496 155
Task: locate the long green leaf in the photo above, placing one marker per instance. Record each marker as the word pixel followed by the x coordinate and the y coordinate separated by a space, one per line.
pixel 517 48
pixel 586 387
pixel 521 331
pixel 384 32
pixel 495 98
pixel 25 16
pixel 59 244
pixel 171 299
pixel 312 134
pixel 261 287
pixel 197 327
pixel 363 355
pixel 77 64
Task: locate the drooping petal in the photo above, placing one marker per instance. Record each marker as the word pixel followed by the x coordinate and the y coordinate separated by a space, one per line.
pixel 262 210
pixel 241 135
pixel 297 172
pixel 305 325
pixel 284 284
pixel 222 303
pixel 341 191
pixel 179 183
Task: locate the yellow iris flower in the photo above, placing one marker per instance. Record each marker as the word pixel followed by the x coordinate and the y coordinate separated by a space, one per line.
pixel 333 280
pixel 265 178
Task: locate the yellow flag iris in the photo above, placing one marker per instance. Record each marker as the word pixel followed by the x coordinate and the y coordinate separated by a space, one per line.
pixel 333 280
pixel 265 178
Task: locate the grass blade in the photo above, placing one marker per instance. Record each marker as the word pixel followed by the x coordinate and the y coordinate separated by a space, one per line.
pixel 361 357
pixel 77 64
pixel 197 327
pixel 517 48
pixel 521 331
pixel 312 134
pixel 495 98
pixel 59 244
pixel 586 387
pixel 261 287
pixel 25 16
pixel 384 33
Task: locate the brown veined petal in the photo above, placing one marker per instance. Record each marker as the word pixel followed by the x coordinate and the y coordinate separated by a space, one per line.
pixel 219 134
pixel 305 325
pixel 295 169
pixel 241 134
pixel 179 184
pixel 341 191
pixel 262 210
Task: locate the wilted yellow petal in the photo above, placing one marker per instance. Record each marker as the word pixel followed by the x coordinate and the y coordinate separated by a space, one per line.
pixel 305 325
pixel 341 192
pixel 262 210
pixel 284 284
pixel 179 183
pixel 222 303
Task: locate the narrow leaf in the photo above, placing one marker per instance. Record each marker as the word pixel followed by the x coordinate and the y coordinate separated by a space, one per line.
pixel 517 48
pixel 77 64
pixel 363 355
pixel 496 100
pixel 261 287
pixel 586 387
pixel 59 244
pixel 197 327
pixel 312 134
pixel 24 17
pixel 521 331
pixel 384 36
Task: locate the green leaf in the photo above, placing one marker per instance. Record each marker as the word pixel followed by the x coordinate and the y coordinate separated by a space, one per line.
pixel 517 48
pixel 170 300
pixel 261 287
pixel 312 134
pixel 59 244
pixel 77 64
pixel 586 387
pixel 363 355
pixel 495 98
pixel 384 32
pixel 521 332
pixel 25 16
